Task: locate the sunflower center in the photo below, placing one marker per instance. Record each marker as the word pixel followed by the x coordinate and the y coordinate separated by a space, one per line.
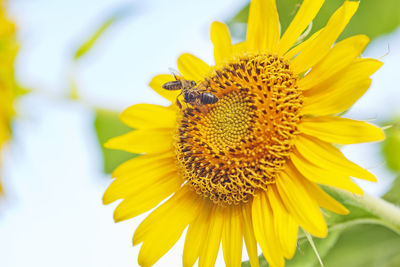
pixel 231 149
pixel 228 123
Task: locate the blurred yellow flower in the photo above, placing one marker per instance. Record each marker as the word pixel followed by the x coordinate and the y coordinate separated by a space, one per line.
pixel 248 166
pixel 8 51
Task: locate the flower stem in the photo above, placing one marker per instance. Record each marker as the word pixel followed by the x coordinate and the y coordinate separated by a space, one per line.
pixel 386 211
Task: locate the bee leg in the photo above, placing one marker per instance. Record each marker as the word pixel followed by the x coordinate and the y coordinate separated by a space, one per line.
pixel 178 103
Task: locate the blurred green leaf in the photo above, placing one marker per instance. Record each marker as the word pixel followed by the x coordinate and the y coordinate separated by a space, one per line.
pixel 343 231
pixel 373 18
pixel 391 147
pixel 393 195
pixel 305 255
pixel 73 92
pixel 88 44
pixel 261 259
pixel 107 126
pixel 391 153
pixel 394 262
pixel 241 16
pixel 360 212
pixel 365 246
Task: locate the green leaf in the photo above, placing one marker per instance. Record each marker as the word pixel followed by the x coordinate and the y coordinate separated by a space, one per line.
pixel 391 147
pixel 88 44
pixel 241 16
pixel 391 153
pixel 394 262
pixel 366 222
pixel 373 18
pixel 73 92
pixel 365 246
pixel 305 255
pixel 393 195
pixel 107 126
pixel 363 210
pixel 261 259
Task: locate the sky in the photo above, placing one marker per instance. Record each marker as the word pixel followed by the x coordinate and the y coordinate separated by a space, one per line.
pixel 52 214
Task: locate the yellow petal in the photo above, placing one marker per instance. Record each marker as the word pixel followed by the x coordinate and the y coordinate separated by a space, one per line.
pixel 163 227
pixel 300 204
pixel 321 45
pixel 232 237
pixel 210 248
pixel 4 132
pixel 196 235
pixel 323 176
pixel 221 40
pixel 142 199
pixel 306 13
pixel 341 91
pixel 140 179
pixel 339 57
pixel 263 224
pixel 285 225
pixel 341 99
pixel 143 141
pixel 148 116
pixel 157 83
pixel 341 130
pixel 141 162
pixel 248 233
pixel 192 68
pixel 263 26
pixel 328 157
pixel 323 199
pixel 295 50
pixel 239 48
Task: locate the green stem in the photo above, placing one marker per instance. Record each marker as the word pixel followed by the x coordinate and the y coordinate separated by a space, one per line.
pixel 386 211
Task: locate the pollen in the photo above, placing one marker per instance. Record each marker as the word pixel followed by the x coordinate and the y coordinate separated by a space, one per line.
pixel 229 150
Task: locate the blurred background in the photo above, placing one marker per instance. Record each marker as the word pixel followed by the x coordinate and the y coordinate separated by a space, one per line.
pixel 82 62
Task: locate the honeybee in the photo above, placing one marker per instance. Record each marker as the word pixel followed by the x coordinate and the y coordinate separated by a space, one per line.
pixel 192 94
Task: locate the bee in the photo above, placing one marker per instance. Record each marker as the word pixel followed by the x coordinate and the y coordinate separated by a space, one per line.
pixel 192 94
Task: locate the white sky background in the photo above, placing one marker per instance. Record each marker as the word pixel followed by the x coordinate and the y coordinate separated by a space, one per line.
pixel 52 214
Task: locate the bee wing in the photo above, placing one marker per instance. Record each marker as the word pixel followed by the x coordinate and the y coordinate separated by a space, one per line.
pixel 175 73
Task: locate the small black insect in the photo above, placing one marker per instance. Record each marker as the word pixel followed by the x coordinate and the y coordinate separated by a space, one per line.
pixel 192 94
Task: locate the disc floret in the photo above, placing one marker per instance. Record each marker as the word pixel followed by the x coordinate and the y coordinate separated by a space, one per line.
pixel 229 150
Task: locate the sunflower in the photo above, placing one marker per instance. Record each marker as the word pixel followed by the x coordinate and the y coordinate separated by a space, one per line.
pixel 8 51
pixel 248 166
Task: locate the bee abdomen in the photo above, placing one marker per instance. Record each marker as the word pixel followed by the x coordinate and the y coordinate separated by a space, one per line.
pixel 208 98
pixel 173 85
